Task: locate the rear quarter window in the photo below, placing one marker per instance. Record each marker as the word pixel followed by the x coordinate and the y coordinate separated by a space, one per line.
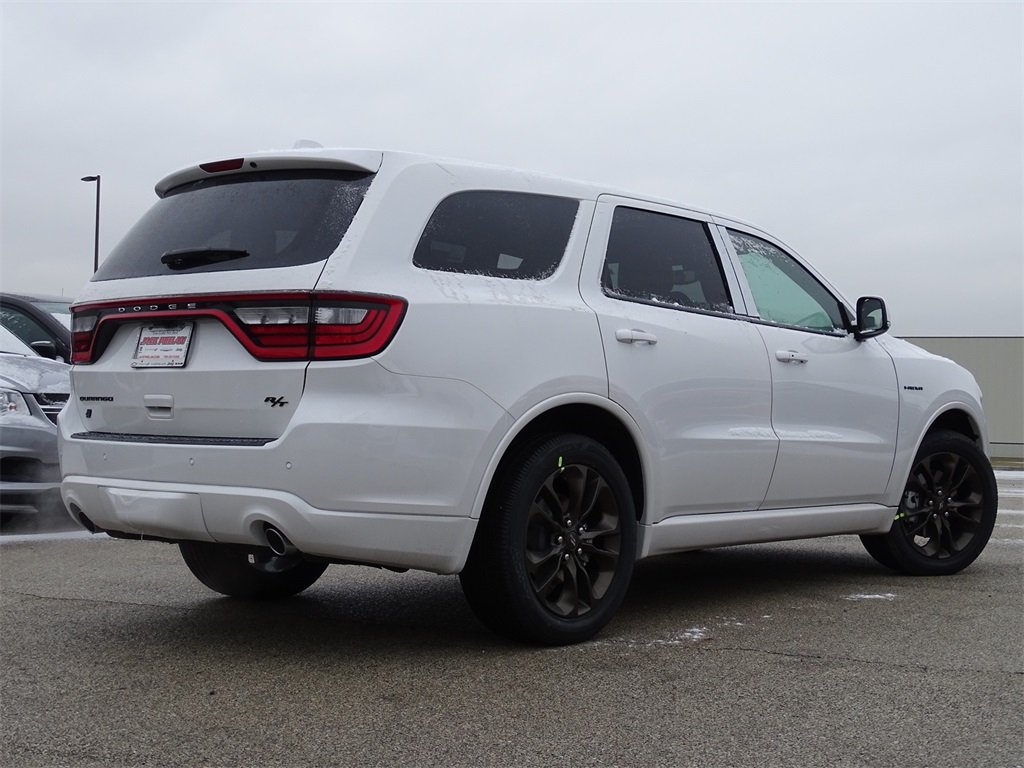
pixel 276 218
pixel 500 234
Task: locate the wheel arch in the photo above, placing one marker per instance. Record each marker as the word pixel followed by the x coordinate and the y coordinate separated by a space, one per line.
pixel 592 416
pixel 956 419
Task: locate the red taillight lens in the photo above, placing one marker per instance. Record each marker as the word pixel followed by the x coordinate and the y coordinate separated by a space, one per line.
pixel 83 327
pixel 351 329
pixel 278 332
pixel 271 327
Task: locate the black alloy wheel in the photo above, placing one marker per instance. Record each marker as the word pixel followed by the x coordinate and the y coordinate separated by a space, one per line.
pixel 573 540
pixel 947 511
pixel 555 547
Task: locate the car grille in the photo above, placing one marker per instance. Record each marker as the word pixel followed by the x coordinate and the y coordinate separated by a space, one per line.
pixel 51 404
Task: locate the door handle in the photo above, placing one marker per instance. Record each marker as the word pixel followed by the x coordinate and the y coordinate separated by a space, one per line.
pixel 790 356
pixel 630 335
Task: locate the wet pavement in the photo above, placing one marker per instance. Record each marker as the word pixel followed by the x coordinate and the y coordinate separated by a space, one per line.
pixel 791 654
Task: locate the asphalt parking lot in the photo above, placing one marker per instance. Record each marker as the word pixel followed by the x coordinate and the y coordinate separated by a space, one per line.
pixel 792 654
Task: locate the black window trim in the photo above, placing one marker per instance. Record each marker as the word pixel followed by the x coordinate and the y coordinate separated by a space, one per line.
pixel 678 307
pixel 836 333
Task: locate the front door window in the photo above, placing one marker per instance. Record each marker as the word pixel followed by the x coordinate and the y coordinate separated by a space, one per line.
pixel 785 292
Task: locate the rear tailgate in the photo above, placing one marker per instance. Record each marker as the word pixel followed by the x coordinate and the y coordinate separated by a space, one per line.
pixel 163 351
pixel 215 391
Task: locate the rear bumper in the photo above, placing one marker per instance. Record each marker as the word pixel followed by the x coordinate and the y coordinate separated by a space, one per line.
pixel 239 515
pixel 373 467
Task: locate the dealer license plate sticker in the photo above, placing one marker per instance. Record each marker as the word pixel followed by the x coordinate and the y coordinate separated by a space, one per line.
pixel 163 346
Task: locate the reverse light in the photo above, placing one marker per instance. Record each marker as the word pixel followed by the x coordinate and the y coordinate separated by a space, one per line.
pixel 273 315
pixel 340 315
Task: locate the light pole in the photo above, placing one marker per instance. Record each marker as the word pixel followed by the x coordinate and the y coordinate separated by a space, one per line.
pixel 96 244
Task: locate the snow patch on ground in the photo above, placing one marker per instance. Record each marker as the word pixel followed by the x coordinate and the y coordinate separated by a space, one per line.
pixel 691 635
pixel 887 596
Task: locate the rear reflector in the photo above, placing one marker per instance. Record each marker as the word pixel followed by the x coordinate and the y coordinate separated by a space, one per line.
pixel 271 327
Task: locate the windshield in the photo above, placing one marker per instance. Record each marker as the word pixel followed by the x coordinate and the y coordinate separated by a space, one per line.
pixel 61 311
pixel 276 218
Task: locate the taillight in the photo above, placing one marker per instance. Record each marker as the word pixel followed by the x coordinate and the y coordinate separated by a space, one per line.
pixel 83 326
pixel 350 329
pixel 323 326
pixel 280 332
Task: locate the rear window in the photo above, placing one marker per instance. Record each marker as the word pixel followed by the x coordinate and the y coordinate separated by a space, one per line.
pixel 500 234
pixel 244 221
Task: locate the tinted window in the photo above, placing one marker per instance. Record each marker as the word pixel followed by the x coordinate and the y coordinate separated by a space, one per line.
pixel 784 291
pixel 667 259
pixel 277 219
pixel 26 328
pixel 501 234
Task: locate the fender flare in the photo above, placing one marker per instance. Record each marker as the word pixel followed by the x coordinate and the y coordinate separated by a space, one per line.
pixel 545 406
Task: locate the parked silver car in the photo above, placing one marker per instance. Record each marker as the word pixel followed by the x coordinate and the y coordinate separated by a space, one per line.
pixel 33 390
pixel 41 322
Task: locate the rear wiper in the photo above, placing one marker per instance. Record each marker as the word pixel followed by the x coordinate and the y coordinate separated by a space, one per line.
pixel 187 258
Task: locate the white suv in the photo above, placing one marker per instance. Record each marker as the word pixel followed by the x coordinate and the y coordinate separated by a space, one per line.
pixel 347 356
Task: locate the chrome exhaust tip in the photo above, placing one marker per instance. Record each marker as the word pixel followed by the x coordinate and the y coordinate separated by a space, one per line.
pixel 278 542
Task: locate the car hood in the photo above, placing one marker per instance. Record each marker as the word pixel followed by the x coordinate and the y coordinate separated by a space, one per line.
pixel 35 375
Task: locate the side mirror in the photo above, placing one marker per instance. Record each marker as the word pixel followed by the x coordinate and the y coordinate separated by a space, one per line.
pixel 872 318
pixel 45 349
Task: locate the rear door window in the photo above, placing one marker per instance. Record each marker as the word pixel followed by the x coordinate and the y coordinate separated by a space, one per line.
pixel 501 234
pixel 245 221
pixel 670 260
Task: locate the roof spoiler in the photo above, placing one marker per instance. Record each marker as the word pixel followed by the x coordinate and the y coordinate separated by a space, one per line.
pixel 368 161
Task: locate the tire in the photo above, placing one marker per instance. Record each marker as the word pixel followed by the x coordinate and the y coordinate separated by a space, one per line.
pixel 946 513
pixel 556 544
pixel 249 572
pixel 878 547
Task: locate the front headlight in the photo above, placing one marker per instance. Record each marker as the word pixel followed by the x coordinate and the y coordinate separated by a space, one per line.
pixel 12 404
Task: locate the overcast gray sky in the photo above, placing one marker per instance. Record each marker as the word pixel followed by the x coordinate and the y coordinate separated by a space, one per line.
pixel 883 141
